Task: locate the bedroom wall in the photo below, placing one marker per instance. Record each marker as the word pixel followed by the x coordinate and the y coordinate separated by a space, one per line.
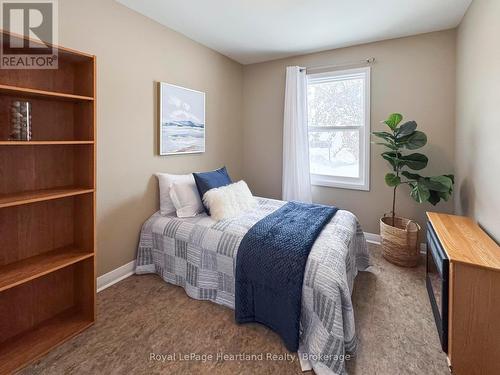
pixel 478 115
pixel 132 53
pixel 414 76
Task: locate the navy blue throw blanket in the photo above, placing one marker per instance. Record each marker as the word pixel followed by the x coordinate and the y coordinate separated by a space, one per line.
pixel 270 267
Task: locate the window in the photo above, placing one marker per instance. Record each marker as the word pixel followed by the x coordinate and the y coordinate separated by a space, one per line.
pixel 339 128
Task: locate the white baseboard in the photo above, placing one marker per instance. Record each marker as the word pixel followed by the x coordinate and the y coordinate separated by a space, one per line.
pixel 112 277
pixel 373 238
pixel 376 239
pixel 423 248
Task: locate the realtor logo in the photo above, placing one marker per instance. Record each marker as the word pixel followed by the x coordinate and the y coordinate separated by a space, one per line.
pixel 29 34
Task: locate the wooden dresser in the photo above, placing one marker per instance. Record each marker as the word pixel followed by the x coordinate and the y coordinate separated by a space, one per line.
pixel 470 299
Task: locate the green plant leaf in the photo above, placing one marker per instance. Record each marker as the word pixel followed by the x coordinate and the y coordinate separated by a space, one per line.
pixel 419 192
pixel 445 195
pixel 392 157
pixel 388 145
pixel 434 197
pixel 392 180
pixel 393 120
pixel 384 135
pixel 414 161
pixel 411 176
pixel 406 129
pixel 413 141
pixel 439 183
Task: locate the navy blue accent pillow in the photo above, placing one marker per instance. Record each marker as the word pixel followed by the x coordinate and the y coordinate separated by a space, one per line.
pixel 210 180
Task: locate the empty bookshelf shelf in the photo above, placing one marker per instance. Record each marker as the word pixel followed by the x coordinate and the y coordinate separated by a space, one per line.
pixel 28 269
pixel 34 93
pixel 8 200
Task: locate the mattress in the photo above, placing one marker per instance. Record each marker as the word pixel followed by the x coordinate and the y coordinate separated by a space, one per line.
pixel 199 254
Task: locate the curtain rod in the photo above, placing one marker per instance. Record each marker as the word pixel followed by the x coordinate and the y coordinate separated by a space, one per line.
pixel 369 60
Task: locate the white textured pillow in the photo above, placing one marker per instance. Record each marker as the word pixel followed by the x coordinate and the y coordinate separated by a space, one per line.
pixel 229 201
pixel 166 180
pixel 186 199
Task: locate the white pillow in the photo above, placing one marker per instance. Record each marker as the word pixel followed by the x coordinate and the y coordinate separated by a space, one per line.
pixel 186 199
pixel 229 201
pixel 165 180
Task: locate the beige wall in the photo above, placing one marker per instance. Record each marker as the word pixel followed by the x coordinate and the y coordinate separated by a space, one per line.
pixel 478 115
pixel 132 53
pixel 414 76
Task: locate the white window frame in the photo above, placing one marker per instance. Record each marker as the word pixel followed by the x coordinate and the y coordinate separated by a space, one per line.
pixel 363 181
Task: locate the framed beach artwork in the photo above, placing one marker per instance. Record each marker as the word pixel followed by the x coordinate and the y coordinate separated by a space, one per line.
pixel 182 120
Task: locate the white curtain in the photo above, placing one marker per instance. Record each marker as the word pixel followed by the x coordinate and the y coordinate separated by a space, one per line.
pixel 296 177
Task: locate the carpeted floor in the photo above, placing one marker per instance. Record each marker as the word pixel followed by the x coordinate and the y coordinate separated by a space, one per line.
pixel 143 315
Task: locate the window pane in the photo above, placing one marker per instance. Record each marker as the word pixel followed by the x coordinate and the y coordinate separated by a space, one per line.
pixel 334 153
pixel 336 103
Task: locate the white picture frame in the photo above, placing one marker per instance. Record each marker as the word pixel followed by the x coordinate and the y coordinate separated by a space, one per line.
pixel 181 120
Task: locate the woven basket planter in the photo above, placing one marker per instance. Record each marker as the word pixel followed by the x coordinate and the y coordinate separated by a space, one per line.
pixel 400 242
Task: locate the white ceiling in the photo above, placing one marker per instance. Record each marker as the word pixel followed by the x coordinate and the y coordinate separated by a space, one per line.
pixel 250 31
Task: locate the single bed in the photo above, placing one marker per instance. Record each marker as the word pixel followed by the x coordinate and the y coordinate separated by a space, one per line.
pixel 199 254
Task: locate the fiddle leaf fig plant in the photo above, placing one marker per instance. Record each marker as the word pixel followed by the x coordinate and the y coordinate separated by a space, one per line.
pixel 399 141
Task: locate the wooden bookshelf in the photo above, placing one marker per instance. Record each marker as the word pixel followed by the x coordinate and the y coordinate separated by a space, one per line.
pixel 47 209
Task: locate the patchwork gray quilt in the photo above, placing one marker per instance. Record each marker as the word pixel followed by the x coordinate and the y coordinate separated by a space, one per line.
pixel 199 254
